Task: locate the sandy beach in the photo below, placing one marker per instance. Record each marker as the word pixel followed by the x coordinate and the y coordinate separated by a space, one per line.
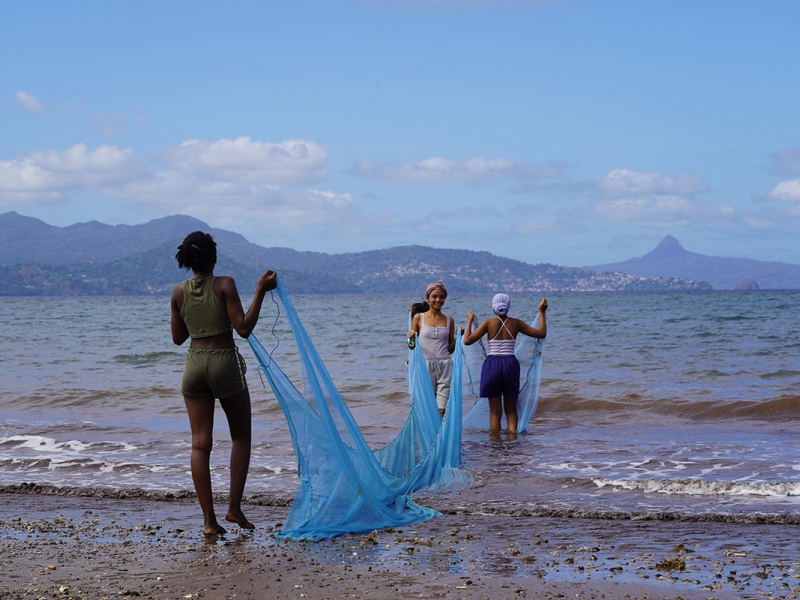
pixel 56 544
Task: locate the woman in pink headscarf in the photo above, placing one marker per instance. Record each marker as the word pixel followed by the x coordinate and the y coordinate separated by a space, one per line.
pixel 437 338
pixel 500 371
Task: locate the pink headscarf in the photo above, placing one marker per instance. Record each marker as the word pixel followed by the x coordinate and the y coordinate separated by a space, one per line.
pixel 436 285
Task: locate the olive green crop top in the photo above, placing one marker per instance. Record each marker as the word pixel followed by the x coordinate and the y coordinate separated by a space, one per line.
pixel 204 314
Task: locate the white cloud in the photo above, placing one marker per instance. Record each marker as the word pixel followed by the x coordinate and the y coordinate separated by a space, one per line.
pixel 195 172
pixel 238 200
pixel 786 191
pixel 332 198
pixel 288 215
pixel 250 161
pixel 652 199
pixel 658 211
pixel 443 170
pixel 496 222
pixel 233 181
pixel 28 101
pixel 625 182
pixel 276 208
pixel 238 183
pixel 47 176
pixel 617 183
pixel 773 218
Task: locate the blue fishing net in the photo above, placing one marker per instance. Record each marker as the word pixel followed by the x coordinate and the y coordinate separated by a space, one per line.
pixel 530 353
pixel 345 486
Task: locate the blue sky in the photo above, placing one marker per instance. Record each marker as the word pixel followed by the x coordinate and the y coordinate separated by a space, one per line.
pixel 564 131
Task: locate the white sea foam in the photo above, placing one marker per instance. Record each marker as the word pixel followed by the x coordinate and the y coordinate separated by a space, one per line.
pixel 719 467
pixel 650 466
pixel 68 447
pixel 43 444
pixel 698 487
pixel 71 463
pixel 582 468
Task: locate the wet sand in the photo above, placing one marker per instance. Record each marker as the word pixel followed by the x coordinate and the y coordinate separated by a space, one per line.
pixel 67 546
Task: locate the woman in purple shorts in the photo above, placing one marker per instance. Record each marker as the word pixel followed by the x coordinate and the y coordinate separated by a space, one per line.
pixel 500 371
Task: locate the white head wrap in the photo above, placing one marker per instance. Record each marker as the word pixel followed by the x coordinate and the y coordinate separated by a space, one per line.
pixel 501 303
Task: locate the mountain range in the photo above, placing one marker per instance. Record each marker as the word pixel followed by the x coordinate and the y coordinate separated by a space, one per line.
pixel 670 259
pixel 96 258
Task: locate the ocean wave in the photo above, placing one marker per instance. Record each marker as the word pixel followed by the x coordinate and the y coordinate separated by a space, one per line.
pixel 708 373
pixel 82 465
pixel 444 505
pixel 780 373
pixel 750 518
pixel 257 499
pixel 698 487
pixel 731 318
pixel 101 397
pixel 783 407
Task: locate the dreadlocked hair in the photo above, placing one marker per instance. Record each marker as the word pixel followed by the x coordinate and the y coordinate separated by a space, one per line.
pixel 198 252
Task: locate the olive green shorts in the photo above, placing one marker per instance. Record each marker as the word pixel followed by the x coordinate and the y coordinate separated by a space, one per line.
pixel 218 373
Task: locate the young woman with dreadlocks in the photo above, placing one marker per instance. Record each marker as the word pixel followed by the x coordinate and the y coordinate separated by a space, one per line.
pixel 207 308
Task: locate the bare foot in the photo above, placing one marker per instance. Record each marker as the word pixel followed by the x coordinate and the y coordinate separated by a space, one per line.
pixel 239 518
pixel 214 529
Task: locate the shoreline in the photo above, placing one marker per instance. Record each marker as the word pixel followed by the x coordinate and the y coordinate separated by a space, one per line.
pixel 448 504
pixel 104 547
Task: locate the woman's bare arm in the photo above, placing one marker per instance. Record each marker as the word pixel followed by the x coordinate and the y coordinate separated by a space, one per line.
pixel 541 332
pixel 415 320
pixel 179 331
pixel 242 322
pixel 470 337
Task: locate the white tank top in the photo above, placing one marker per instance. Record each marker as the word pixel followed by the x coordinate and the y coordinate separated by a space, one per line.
pixel 434 341
pixel 502 347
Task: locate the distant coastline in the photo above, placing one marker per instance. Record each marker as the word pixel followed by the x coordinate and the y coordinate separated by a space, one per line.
pixel 669 258
pixel 37 259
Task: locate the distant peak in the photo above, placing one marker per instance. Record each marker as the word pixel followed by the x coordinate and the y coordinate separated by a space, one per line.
pixel 669 247
pixel 669 242
pixel 12 214
pixel 185 220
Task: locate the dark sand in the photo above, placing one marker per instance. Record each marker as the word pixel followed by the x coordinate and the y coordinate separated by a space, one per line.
pixel 54 546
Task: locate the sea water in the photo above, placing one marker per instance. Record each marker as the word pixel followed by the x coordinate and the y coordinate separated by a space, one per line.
pixel 659 406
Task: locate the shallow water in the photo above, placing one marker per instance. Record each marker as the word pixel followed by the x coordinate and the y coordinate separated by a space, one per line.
pixel 652 405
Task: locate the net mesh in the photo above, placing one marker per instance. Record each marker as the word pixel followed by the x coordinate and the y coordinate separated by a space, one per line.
pixel 345 486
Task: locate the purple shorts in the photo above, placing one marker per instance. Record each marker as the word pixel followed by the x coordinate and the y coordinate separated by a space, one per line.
pixel 500 377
